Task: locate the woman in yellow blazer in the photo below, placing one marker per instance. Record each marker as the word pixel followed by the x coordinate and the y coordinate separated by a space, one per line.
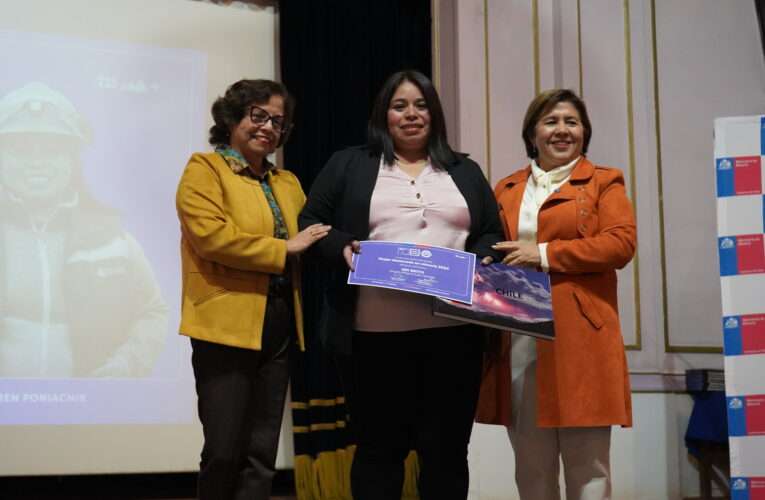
pixel 241 297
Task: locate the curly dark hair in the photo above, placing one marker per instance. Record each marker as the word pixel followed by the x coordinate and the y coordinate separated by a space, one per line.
pixel 543 104
pixel 228 110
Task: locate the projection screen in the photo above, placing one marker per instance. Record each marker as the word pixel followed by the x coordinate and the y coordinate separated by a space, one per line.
pixel 101 104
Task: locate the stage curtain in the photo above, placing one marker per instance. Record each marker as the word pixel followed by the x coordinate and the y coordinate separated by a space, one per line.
pixel 759 6
pixel 335 54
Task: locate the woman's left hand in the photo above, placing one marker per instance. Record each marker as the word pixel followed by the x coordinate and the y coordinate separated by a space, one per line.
pixel 348 251
pixel 519 253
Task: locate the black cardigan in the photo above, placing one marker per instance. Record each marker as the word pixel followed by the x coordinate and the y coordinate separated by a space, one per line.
pixel 340 196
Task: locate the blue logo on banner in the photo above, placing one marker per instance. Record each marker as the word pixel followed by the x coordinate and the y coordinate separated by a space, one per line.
pixel 732 335
pixel 739 488
pixel 728 257
pixel 725 185
pixel 736 416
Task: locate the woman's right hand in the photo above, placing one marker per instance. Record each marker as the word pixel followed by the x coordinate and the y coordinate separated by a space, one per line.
pixel 348 251
pixel 519 253
pixel 307 237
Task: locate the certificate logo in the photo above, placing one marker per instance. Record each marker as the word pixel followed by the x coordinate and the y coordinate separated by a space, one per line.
pixel 408 252
pixel 414 252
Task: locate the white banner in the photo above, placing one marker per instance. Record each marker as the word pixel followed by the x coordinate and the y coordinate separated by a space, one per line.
pixel 739 158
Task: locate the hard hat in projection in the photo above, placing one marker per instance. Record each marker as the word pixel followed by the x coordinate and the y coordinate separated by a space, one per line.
pixel 36 108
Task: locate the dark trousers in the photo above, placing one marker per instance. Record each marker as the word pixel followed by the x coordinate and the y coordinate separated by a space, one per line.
pixel 240 402
pixel 416 390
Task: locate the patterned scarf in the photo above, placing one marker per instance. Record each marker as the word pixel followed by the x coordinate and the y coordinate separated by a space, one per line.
pixel 239 165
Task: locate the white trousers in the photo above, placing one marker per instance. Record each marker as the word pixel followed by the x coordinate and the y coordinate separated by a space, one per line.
pixel 583 450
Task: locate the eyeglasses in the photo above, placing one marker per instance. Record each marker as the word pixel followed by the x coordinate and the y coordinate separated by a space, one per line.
pixel 260 117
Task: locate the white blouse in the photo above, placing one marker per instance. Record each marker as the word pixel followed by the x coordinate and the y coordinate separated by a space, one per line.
pixel 540 185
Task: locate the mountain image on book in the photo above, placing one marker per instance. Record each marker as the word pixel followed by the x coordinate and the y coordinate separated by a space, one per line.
pixel 507 298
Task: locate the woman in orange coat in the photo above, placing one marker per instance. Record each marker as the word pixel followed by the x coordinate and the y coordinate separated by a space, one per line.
pixel 573 220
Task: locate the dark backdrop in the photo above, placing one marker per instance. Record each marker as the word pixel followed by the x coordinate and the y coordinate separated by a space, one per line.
pixel 760 6
pixel 335 55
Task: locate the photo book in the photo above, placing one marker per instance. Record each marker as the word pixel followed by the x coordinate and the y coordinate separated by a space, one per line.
pixel 507 298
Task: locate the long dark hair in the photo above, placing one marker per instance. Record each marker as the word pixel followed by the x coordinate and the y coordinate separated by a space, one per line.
pixel 379 140
pixel 228 110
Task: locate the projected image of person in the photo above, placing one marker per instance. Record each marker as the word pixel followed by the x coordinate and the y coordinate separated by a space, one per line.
pixel 241 297
pixel 77 295
pixel 573 219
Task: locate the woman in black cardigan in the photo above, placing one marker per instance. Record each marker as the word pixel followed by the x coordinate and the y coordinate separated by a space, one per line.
pixel 414 377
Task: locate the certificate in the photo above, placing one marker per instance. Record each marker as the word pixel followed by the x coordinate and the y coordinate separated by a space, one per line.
pixel 429 270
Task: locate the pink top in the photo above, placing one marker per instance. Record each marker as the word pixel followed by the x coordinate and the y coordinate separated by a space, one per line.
pixel 428 209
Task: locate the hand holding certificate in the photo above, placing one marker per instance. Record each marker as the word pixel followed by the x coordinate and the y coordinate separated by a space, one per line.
pixel 428 270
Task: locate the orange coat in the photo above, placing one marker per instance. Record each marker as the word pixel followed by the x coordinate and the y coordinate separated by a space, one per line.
pixel 582 378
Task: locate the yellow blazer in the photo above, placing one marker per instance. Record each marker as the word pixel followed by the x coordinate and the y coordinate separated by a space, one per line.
pixel 228 250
